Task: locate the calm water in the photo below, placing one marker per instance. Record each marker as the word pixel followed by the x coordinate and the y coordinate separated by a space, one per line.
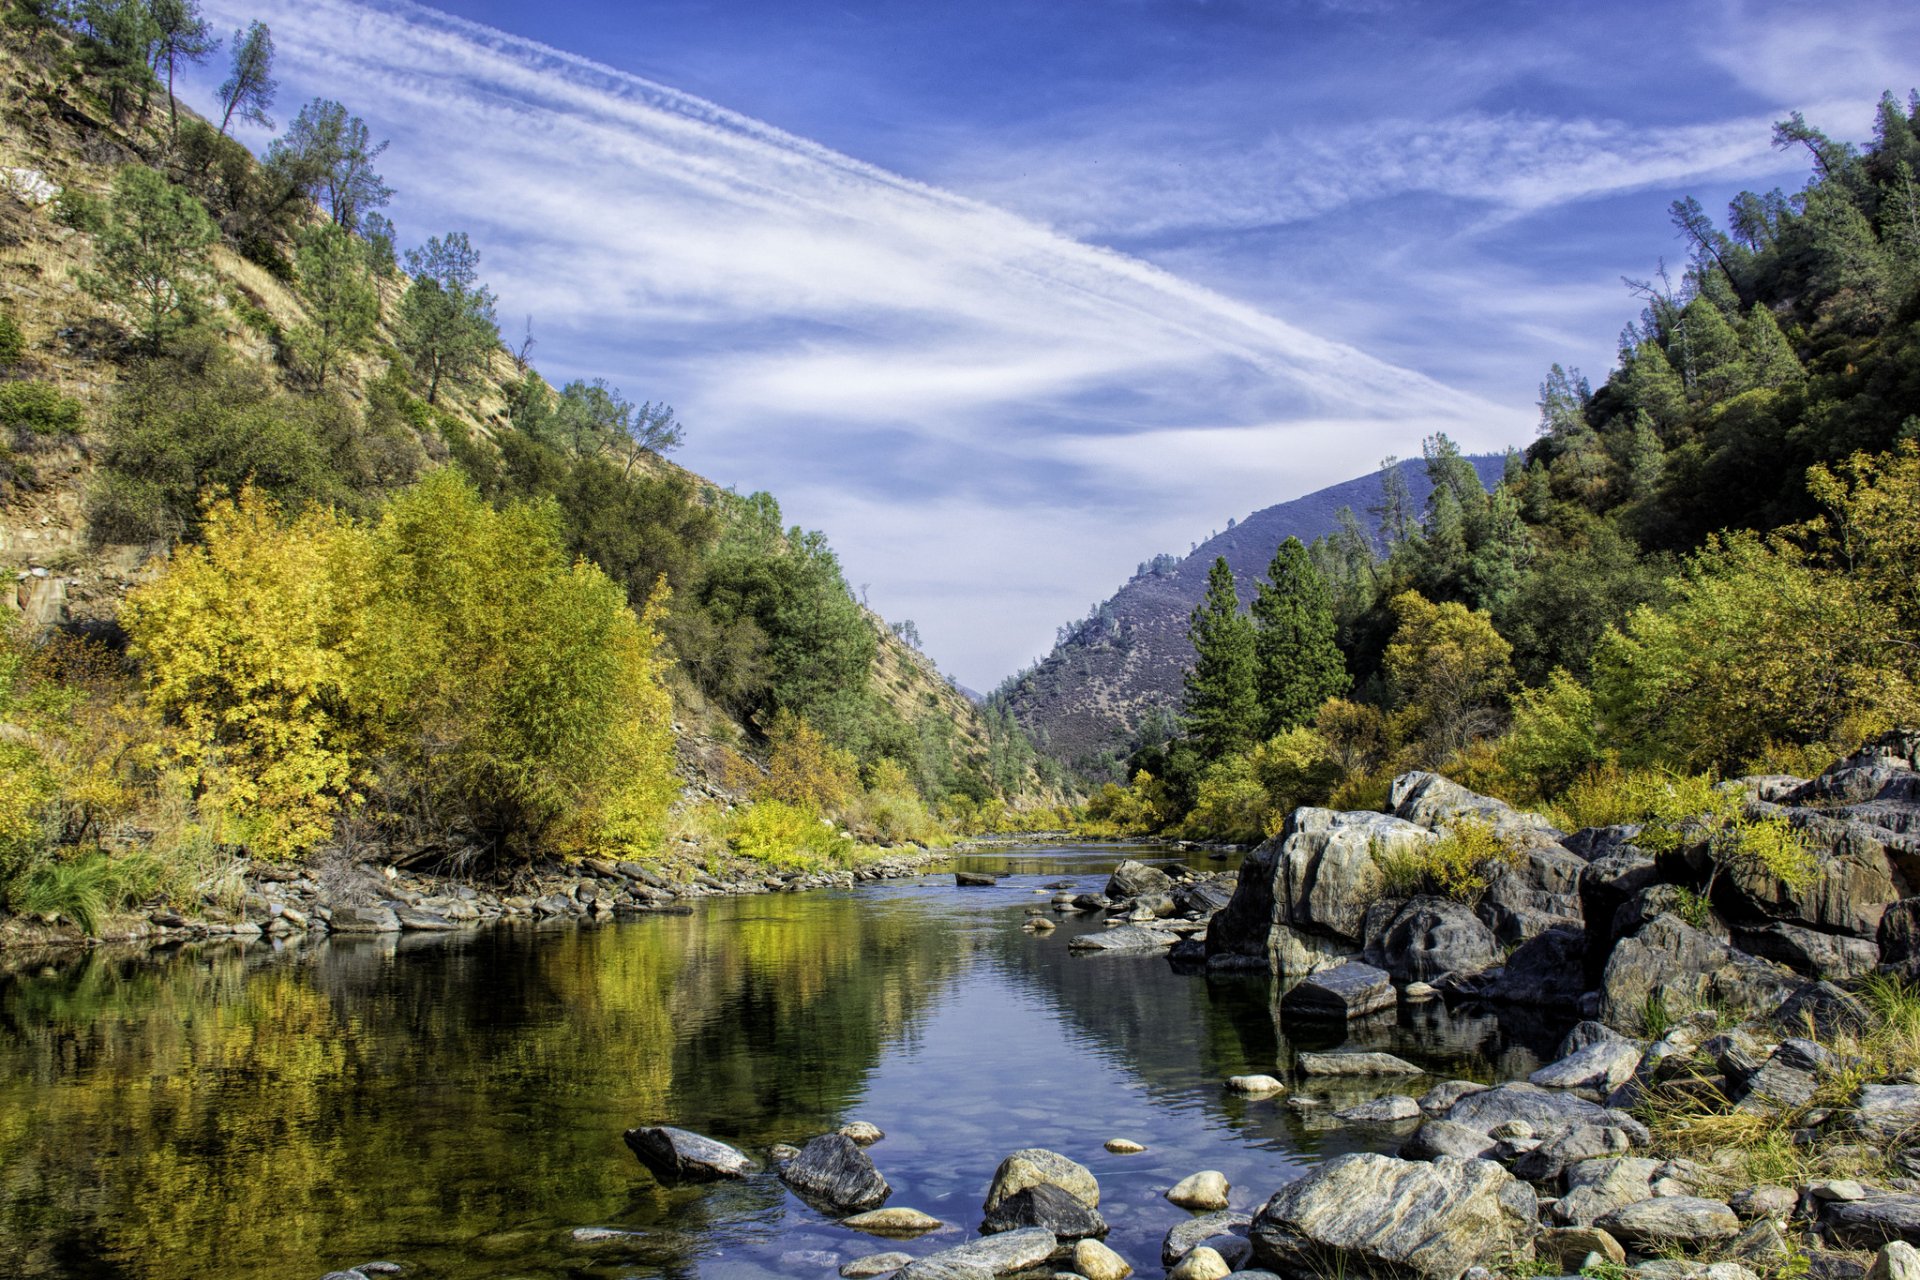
pixel 455 1103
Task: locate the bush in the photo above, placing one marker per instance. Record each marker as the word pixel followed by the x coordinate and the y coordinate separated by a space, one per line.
pixel 1229 803
pixel 787 836
pixel 803 768
pixel 80 211
pixel 1452 865
pixel 13 343
pixel 38 409
pixel 1554 738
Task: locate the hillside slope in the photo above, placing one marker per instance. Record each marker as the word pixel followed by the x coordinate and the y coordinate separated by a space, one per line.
pixel 1086 698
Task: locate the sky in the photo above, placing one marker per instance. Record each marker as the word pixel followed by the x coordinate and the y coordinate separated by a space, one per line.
pixel 1007 296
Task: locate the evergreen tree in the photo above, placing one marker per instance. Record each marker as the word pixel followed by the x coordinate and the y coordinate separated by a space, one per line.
pixel 1222 715
pixel 1716 367
pixel 248 91
pixel 181 35
pixel 447 324
pixel 1770 361
pixel 117 49
pixel 151 250
pixel 1298 664
pixel 1649 384
pixel 343 302
pixel 329 155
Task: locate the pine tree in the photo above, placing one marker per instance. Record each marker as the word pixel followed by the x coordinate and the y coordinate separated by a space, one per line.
pixel 1298 664
pixel 1651 386
pixel 248 91
pixel 1770 360
pixel 1222 715
pixel 1716 367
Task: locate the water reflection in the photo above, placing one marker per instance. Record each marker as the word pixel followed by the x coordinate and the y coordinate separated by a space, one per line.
pixel 456 1103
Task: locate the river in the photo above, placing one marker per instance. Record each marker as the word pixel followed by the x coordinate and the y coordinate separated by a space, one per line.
pixel 455 1103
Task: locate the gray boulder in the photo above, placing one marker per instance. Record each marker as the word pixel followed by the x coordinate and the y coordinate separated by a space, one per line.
pixel 1853 884
pixel 1888 1114
pixel 1136 879
pixel 1127 939
pixel 375 918
pixel 1395 1108
pixel 1031 1166
pixel 1811 952
pixel 1548 969
pixel 1687 969
pixel 1427 937
pixel 1045 1205
pixel 1600 1067
pixel 1190 1233
pixel 1570 1146
pixel 1546 1111
pixel 1205 896
pixel 1871 1222
pixel 832 1170
pixel 680 1155
pixel 1004 1254
pixel 1436 1138
pixel 1373 1214
pixel 1436 803
pixel 1349 991
pixel 1665 1221
pixel 1596 1188
pixel 1356 1064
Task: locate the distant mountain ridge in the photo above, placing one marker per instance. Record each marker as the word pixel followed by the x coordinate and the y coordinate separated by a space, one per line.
pixel 1086 698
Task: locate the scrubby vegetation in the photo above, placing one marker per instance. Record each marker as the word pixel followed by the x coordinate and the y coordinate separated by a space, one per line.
pixel 1702 569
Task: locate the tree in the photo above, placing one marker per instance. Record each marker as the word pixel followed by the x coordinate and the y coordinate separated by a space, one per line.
pixel 1715 367
pixel 1450 672
pixel 1223 710
pixel 248 90
pixel 1770 361
pixel 330 155
pixel 152 250
pixel 342 301
pixel 592 418
pixel 118 49
pixel 182 35
pixel 1298 662
pixel 447 324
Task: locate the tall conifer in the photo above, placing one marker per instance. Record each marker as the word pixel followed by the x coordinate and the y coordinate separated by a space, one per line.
pixel 1298 665
pixel 1222 714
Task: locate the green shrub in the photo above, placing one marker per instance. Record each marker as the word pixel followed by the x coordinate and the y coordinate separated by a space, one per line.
pixel 13 343
pixel 785 835
pixel 38 409
pixel 80 211
pixel 1453 865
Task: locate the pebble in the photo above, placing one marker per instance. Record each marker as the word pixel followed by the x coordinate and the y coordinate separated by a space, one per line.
pixel 1255 1084
pixel 1124 1146
pixel 1204 1190
pixel 862 1133
pixel 1201 1264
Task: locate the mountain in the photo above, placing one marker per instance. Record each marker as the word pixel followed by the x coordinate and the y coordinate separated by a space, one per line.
pixel 1085 699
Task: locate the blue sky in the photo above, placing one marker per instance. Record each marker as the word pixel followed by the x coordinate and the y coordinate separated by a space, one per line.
pixel 1008 296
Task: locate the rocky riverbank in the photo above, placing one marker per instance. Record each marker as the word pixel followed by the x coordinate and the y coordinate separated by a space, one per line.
pixel 349 897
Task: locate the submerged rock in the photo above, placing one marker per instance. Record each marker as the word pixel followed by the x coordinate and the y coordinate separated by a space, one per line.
pixel 1255 1084
pixel 1127 939
pixel 1194 1232
pixel 1356 1064
pixel 875 1264
pixel 1350 991
pixel 832 1170
pixel 682 1155
pixel 975 879
pixel 1373 1214
pixel 1004 1254
pixel 893 1222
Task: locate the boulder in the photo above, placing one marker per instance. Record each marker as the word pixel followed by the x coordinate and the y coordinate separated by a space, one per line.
pixel 1568 1247
pixel 1853 883
pixel 892 1222
pixel 833 1171
pixel 975 879
pixel 874 1264
pixel 1045 1205
pixel 1128 939
pixel 1871 1222
pixel 1436 1138
pixel 1888 1114
pixel 1204 1191
pixel 1547 1162
pixel 1810 952
pixel 1596 1188
pixel 679 1155
pixel 1899 937
pixel 1097 1262
pixel 1003 1254
pixel 1428 937
pixel 1663 1222
pixel 1687 969
pixel 1395 1108
pixel 376 918
pixel 1439 1100
pixel 1201 1263
pixel 1136 879
pixel 1349 991
pixel 1191 1233
pixel 1205 896
pixel 1547 1111
pixel 1374 1214
pixel 1820 1009
pixel 1434 802
pixel 1303 894
pixel 1763 1201
pixel 1600 1067
pixel 1548 969
pixel 1897 1260
pixel 1356 1064
pixel 1031 1166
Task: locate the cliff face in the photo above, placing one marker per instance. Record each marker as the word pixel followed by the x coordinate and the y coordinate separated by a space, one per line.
pixel 1086 698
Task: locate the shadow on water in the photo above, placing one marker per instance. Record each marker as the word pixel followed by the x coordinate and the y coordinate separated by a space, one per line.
pixel 456 1102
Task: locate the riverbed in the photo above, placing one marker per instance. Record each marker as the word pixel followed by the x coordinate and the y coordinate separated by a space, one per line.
pixel 455 1103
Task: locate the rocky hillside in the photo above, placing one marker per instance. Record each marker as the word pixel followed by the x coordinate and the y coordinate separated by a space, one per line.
pixel 60 147
pixel 1085 700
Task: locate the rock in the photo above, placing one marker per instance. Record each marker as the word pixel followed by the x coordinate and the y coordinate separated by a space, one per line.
pixel 1439 1100
pixel 1687 969
pixel 1127 939
pixel 1665 1221
pixel 975 879
pixel 1584 1034
pixel 1897 1260
pixel 416 920
pixel 1437 803
pixel 1127 1146
pixel 1824 1189
pixel 1887 1114
pixel 1572 1145
pixel 1871 1222
pixel 1428 937
pixel 1302 896
pixel 1045 1205
pixel 1547 969
pixel 1004 1254
pixel 1255 1084
pixel 1031 1166
pixel 892 1222
pixel 1853 882
pixel 1821 1009
pixel 1097 1262
pixel 1350 991
pixel 1201 1263
pixel 1417 992
pixel 372 919
pixel 1395 1108
pixel 1763 1201
pixel 1136 879
pixel 1568 1247
pixel 1547 1110
pixel 1601 1067
pixel 1375 1214
pixel 1596 1188
pixel 1206 896
pixel 1811 952
pixel 861 1132
pixel 1760 1241
pixel 780 1152
pixel 1436 1138
pixel 680 1155
pixel 1194 1232
pixel 1206 1190
pixel 1356 1064
pixel 833 1171
pixel 875 1264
